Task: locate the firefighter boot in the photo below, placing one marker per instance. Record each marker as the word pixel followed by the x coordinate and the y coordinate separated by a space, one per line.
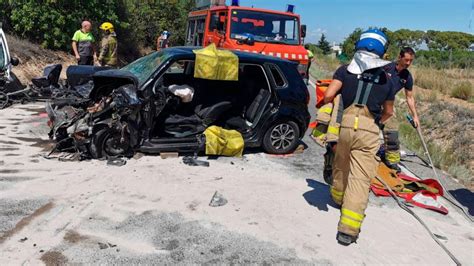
pixel 345 239
pixel 392 149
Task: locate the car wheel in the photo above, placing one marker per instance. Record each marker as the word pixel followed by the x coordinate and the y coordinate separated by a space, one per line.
pixel 281 138
pixel 108 142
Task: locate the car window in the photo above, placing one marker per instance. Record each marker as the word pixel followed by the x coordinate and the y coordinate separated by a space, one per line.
pixel 280 81
pixel 176 68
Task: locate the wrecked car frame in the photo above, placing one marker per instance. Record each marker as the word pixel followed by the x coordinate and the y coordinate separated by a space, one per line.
pixel 135 109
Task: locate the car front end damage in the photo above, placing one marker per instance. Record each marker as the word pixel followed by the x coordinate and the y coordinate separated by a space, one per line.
pixel 111 112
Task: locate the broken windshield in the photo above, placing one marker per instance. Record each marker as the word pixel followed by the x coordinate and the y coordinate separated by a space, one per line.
pixel 265 27
pixel 144 67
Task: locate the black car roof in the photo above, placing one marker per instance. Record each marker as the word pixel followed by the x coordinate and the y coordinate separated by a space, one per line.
pixel 186 51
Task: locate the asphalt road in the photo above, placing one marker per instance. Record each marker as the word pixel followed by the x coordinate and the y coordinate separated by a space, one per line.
pixel 157 211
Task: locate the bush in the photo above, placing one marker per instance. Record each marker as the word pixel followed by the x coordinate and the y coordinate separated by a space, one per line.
pixel 462 90
pixel 137 23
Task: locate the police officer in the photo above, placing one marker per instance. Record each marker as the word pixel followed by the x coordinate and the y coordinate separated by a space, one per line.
pixel 367 97
pixel 108 47
pixel 402 79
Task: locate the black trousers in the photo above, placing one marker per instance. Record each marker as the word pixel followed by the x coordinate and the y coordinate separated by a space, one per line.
pixel 86 60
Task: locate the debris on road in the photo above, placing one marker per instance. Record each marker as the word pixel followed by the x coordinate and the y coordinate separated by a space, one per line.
pixel 193 161
pixel 103 245
pixel 166 155
pixel 116 161
pixel 217 200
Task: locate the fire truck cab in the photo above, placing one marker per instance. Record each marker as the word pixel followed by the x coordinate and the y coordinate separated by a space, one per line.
pixel 248 29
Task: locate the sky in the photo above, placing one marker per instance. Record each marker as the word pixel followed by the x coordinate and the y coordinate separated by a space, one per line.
pixel 338 18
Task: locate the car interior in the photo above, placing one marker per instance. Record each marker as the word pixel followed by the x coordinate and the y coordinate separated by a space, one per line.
pixel 230 104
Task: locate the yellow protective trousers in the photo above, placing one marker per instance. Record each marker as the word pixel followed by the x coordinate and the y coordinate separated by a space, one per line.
pixel 355 165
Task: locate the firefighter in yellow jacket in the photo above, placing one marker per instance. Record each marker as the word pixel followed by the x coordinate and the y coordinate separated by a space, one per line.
pixel 108 46
pixel 367 97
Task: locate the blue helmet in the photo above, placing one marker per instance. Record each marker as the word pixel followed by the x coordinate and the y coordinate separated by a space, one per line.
pixel 374 41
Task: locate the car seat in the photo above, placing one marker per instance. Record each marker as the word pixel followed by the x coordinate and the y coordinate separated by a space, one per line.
pixel 50 76
pixel 80 75
pixel 183 126
pixel 251 115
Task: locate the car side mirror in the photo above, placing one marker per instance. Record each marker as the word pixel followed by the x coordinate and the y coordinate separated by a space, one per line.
pixel 303 31
pixel 14 61
pixel 214 23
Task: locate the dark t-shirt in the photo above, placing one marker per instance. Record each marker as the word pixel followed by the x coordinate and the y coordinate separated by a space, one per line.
pixel 400 80
pixel 381 91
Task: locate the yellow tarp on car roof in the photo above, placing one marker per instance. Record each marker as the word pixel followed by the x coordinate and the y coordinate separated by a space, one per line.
pixel 215 64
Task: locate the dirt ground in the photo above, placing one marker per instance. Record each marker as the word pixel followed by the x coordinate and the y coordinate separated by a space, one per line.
pixel 155 210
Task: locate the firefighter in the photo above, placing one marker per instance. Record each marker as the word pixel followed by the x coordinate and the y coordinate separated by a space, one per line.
pixel 402 79
pixel 108 47
pixel 163 40
pixel 367 97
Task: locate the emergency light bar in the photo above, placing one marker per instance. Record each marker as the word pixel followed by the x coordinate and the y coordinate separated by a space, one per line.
pixel 290 8
pixel 235 2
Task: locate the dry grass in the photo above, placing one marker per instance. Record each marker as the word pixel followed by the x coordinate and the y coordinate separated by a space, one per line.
pixel 323 67
pixel 33 58
pixel 463 90
pixel 455 82
pixel 448 130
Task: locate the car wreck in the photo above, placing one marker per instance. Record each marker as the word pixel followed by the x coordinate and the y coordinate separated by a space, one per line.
pixel 160 103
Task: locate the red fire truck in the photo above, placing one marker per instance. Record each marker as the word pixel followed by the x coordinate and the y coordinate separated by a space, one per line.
pixel 248 29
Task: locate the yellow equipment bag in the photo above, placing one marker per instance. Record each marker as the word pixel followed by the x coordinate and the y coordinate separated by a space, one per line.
pixel 225 142
pixel 215 64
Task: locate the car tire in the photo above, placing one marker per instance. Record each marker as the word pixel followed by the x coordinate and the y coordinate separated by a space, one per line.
pixel 106 143
pixel 281 138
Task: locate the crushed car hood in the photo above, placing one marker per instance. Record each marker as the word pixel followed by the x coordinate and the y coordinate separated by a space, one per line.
pixel 108 80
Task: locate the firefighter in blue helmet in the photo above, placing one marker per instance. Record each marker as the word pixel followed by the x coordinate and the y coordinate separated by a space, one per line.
pixel 163 40
pixel 367 95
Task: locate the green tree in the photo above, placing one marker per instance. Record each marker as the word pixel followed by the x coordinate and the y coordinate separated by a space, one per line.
pixel 446 48
pixel 348 46
pixel 323 44
pixel 52 23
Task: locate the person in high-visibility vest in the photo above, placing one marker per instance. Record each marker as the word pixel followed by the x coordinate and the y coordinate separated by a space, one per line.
pixel 367 95
pixel 310 59
pixel 83 44
pixel 401 79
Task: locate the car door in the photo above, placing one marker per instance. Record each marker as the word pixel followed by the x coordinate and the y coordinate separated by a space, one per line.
pixel 4 54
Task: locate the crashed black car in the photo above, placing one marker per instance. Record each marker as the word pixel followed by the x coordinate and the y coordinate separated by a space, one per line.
pixel 155 105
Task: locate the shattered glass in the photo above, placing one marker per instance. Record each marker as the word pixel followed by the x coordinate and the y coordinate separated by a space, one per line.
pixel 144 67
